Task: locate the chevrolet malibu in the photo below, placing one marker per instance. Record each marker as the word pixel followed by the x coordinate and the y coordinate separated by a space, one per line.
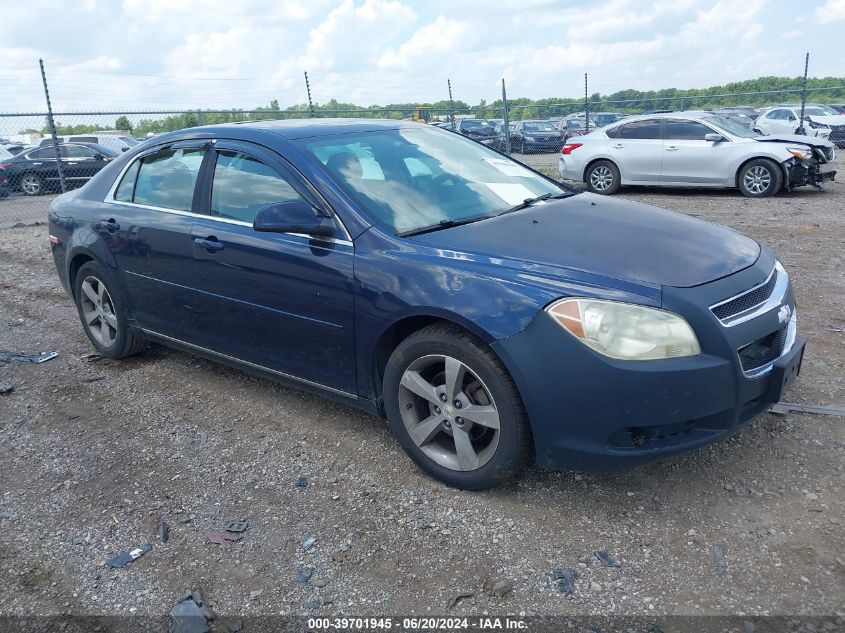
pixel 488 312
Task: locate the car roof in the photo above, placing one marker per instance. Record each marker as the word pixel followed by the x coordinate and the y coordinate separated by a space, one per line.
pixel 687 114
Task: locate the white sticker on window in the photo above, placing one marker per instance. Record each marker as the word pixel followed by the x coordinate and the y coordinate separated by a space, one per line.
pixel 511 193
pixel 507 167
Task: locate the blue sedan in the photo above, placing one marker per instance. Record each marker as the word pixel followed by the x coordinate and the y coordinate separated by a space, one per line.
pixel 488 312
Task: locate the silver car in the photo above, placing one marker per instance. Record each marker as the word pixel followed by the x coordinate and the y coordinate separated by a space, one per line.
pixel 694 149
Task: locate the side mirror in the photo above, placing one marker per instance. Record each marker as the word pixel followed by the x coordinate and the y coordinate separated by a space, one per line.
pixel 714 138
pixel 292 216
pixel 124 148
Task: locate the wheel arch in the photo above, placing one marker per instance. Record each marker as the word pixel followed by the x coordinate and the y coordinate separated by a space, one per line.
pixel 404 327
pixel 778 163
pixel 597 159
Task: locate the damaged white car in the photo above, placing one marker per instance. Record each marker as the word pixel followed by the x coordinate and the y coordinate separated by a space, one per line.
pixel 695 149
pixel 819 121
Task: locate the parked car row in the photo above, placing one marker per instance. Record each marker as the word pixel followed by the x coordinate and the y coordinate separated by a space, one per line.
pixel 36 170
pixel 695 149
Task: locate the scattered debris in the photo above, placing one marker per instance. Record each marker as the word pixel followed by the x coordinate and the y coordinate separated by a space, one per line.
pixel 312 604
pixel 22 357
pixel 237 526
pixel 255 594
pixel 225 539
pixel 304 575
pixel 460 596
pixel 203 438
pixel 94 379
pixel 719 559
pixel 302 482
pixel 501 587
pixel 163 531
pixel 821 409
pixel 566 579
pixel 124 558
pixel 6 387
pixel 607 559
pixel 233 626
pixel 596 587
pixel 309 543
pixel 191 613
pixel 94 358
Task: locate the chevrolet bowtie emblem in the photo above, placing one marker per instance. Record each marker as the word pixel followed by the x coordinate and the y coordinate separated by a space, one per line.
pixel 784 313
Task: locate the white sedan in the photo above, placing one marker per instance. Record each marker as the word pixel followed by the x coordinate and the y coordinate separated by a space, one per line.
pixel 819 121
pixel 694 149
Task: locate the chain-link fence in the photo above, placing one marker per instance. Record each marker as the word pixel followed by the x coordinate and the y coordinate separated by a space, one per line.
pixel 34 168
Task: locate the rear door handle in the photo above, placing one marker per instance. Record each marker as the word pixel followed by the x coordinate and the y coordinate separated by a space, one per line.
pixel 110 225
pixel 618 146
pixel 210 243
pixel 672 148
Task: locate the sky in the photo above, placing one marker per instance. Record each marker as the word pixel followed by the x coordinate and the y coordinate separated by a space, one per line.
pixel 171 54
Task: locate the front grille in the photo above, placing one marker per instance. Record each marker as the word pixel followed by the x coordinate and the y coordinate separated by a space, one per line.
pixel 747 301
pixel 763 351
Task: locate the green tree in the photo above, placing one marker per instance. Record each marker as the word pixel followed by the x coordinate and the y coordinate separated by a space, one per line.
pixel 123 124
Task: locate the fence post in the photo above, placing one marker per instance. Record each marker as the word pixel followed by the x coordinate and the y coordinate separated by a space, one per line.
pixel 801 129
pixel 51 124
pixel 586 104
pixel 505 127
pixel 308 90
pixel 451 105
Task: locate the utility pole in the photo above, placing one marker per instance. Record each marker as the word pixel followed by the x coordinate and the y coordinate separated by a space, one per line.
pixel 51 124
pixel 308 90
pixel 505 127
pixel 451 106
pixel 586 104
pixel 801 129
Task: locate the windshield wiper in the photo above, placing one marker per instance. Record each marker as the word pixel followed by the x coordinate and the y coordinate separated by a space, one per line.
pixel 444 224
pixel 529 201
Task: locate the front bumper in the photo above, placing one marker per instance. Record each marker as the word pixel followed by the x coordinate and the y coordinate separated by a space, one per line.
pixel 592 413
pixel 807 172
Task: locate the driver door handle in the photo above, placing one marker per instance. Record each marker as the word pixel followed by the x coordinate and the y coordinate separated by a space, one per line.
pixel 672 148
pixel 209 243
pixel 618 146
pixel 110 225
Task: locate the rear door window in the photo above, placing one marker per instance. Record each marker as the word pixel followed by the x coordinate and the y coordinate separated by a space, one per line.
pixel 648 129
pixel 167 179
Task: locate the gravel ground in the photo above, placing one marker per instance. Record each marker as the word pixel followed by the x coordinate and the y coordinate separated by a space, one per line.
pixel 95 453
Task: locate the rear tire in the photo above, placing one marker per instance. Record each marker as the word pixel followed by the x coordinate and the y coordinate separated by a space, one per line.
pixel 760 178
pixel 603 177
pixel 32 184
pixel 103 312
pixel 455 409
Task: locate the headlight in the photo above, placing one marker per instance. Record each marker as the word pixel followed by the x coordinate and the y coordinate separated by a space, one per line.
pixel 625 331
pixel 529 138
pixel 803 153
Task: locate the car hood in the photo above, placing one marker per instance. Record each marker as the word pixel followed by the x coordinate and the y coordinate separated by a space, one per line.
pixel 812 141
pixel 832 119
pixel 613 238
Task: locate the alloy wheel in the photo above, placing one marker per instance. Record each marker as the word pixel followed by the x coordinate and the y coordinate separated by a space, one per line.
pixel 601 178
pixel 31 185
pixel 98 311
pixel 758 179
pixel 449 413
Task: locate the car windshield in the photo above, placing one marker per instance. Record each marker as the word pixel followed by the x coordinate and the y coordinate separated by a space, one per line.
pixel 106 151
pixel 539 126
pixel 411 178
pixel 730 126
pixel 474 123
pixel 4 153
pixel 576 125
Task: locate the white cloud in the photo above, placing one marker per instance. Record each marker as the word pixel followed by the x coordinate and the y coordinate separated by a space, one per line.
pixel 831 11
pixel 442 36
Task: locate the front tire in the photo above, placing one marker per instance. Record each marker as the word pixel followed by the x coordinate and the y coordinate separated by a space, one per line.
pixel 760 178
pixel 455 409
pixel 103 313
pixel 603 177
